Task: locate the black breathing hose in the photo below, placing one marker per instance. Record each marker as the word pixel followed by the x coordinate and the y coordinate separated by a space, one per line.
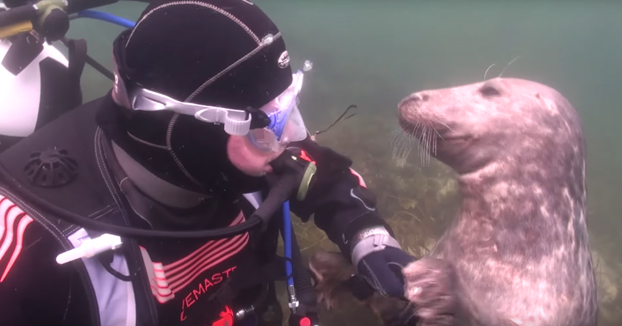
pixel 254 221
pixel 284 184
pixel 90 61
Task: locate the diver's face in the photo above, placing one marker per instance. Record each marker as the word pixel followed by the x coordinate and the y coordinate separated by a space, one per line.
pixel 248 158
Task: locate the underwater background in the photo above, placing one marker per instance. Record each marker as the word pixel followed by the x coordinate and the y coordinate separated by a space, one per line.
pixel 374 53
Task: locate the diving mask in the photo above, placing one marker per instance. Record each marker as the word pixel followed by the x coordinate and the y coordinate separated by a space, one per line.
pixel 286 123
pixel 285 126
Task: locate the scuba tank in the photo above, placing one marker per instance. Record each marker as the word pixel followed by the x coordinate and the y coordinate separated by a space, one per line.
pixel 23 95
pixel 37 82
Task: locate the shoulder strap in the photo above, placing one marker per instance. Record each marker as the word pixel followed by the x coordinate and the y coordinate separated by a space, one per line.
pixel 248 275
pixel 77 60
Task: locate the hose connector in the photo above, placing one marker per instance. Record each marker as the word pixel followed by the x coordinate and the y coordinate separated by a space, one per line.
pixel 242 313
pixel 90 248
pixel 293 301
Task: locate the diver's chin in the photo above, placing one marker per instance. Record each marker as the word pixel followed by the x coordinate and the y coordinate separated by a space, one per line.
pixel 260 172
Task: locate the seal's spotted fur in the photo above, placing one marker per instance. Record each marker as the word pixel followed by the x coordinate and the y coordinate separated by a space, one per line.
pixel 518 253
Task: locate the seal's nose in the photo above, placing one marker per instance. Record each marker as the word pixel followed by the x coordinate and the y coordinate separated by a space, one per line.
pixel 411 103
pixel 419 97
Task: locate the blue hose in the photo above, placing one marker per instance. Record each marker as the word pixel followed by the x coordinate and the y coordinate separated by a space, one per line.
pixel 287 243
pixel 100 15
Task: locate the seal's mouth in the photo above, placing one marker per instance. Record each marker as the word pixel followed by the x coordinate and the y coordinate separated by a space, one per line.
pixel 417 118
pixel 421 126
pixel 421 134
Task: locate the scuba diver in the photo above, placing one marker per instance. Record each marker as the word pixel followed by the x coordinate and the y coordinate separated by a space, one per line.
pixel 37 82
pixel 154 204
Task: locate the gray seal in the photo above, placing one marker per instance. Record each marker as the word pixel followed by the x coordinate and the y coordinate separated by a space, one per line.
pixel 518 252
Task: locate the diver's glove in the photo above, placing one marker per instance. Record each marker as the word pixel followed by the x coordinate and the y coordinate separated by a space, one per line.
pixel 379 260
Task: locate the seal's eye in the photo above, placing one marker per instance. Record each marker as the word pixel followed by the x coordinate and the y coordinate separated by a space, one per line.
pixel 489 91
pixel 491 88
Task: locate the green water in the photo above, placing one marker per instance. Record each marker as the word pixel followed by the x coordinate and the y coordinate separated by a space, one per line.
pixel 373 53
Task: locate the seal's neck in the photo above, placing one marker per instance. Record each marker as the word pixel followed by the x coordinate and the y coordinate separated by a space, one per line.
pixel 500 190
pixel 157 189
pixel 549 189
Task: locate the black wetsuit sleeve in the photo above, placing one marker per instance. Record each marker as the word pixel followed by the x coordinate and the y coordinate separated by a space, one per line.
pixel 34 289
pixel 338 199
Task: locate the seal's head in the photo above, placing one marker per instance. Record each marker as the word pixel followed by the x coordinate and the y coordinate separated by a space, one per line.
pixel 499 120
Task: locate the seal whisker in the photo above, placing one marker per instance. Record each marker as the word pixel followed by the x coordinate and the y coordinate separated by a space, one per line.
pixel 434 141
pixel 397 135
pixel 430 143
pixel 398 150
pixel 486 73
pixel 410 140
pixel 424 149
pixel 413 133
pixel 394 144
pixel 402 145
pixel 438 119
pixel 424 134
pixel 446 126
pixel 506 67
pixel 413 139
pixel 438 134
pixel 404 156
pixel 421 145
pixel 410 133
pixel 415 136
pixel 427 147
pixel 402 159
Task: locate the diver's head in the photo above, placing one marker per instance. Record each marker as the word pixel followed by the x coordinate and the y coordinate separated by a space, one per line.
pixel 205 94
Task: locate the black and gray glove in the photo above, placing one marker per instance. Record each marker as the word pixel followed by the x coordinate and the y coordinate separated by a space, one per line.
pixel 379 260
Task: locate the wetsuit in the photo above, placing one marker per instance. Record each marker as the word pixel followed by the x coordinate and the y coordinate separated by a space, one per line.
pixel 146 281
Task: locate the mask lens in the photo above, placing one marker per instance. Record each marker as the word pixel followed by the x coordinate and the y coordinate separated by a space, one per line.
pixel 295 129
pixel 286 124
pixel 264 139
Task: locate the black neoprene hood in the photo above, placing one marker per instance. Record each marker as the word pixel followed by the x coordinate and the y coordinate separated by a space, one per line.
pixel 208 52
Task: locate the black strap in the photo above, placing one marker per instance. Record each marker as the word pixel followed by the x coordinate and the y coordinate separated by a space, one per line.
pixel 249 275
pixel 106 258
pixel 77 60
